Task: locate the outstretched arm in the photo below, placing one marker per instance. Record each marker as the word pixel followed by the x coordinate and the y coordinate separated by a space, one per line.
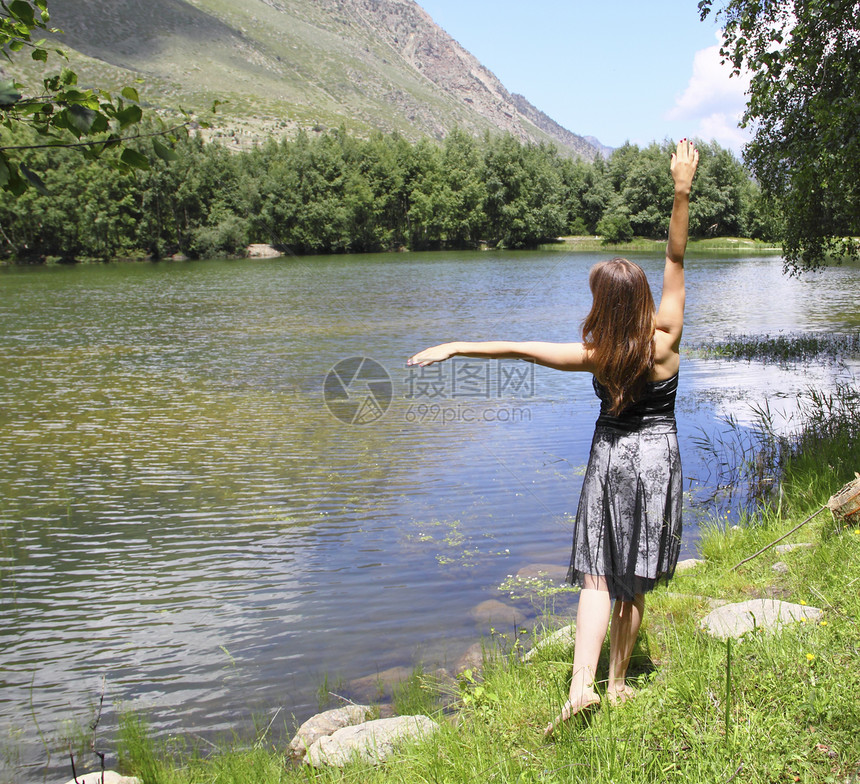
pixel 670 315
pixel 561 356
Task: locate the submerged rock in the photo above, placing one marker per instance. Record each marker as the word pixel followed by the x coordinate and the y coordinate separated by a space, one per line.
pixel 371 688
pixel 494 611
pixel 550 571
pixel 372 741
pixel 323 724
pixel 471 659
pixel 735 620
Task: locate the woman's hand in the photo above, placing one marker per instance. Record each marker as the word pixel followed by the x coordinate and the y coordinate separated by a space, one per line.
pixel 433 354
pixel 685 159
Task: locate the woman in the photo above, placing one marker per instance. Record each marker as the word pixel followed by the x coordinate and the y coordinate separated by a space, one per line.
pixel 628 523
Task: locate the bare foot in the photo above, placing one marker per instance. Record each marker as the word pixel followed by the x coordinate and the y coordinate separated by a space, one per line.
pixel 588 699
pixel 620 695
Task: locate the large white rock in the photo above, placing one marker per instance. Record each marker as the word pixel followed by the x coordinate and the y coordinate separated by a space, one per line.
pixel 110 777
pixel 372 741
pixel 734 620
pixel 260 250
pixel 324 724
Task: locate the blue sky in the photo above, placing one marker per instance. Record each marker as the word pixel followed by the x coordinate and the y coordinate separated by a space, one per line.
pixel 620 70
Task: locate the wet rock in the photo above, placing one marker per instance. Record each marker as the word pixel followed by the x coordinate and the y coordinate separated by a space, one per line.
pixel 110 777
pixel 323 724
pixel 372 741
pixel 493 611
pixel 734 620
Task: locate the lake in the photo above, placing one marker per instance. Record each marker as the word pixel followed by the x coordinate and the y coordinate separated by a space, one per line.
pixel 224 493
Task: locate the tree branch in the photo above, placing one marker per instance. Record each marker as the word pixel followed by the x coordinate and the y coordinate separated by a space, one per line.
pixel 117 140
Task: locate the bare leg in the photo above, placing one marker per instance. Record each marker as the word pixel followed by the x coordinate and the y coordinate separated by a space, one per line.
pixel 626 619
pixel 592 621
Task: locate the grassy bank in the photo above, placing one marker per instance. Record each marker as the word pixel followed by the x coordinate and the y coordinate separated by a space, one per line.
pixel 772 708
pixel 728 245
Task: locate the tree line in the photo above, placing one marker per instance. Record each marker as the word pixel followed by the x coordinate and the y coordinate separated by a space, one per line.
pixel 335 192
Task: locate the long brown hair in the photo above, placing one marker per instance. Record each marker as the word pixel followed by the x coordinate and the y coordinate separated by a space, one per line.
pixel 619 329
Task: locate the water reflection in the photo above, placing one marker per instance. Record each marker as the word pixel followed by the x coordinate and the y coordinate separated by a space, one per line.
pixel 181 511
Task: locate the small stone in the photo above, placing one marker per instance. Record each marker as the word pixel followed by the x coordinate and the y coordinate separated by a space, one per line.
pixel 494 611
pixel 735 620
pixel 372 741
pixel 780 567
pixel 323 724
pixel 787 548
pixel 687 563
pixel 110 777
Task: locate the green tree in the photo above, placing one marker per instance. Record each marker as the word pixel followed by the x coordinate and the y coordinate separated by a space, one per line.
pixel 804 106
pixel 524 192
pixel 614 227
pixel 647 190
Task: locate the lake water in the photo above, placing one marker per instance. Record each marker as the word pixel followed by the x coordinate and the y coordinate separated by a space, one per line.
pixel 183 514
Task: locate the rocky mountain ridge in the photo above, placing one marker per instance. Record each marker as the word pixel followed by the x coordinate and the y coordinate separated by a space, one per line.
pixel 283 64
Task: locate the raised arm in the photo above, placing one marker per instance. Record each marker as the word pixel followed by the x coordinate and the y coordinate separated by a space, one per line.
pixel 670 315
pixel 561 356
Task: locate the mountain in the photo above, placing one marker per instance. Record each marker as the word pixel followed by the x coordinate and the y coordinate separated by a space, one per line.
pixel 279 65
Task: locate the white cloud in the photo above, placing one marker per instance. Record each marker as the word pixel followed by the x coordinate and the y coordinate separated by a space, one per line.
pixel 714 101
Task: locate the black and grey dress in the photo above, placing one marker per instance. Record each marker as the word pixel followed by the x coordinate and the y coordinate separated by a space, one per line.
pixel 628 523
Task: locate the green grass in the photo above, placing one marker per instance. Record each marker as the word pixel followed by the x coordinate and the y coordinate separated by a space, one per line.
pixel 789 711
pixel 732 246
pixel 782 348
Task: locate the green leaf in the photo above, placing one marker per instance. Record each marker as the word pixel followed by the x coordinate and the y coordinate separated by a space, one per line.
pixel 68 76
pixel 100 124
pixel 16 45
pixel 5 174
pixel 40 54
pixel 23 11
pixel 134 159
pixel 131 94
pixel 129 116
pixel 8 94
pixel 81 118
pixel 165 153
pixel 34 179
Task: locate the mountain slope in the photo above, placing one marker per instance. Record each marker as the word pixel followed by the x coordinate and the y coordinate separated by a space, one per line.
pixel 284 64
